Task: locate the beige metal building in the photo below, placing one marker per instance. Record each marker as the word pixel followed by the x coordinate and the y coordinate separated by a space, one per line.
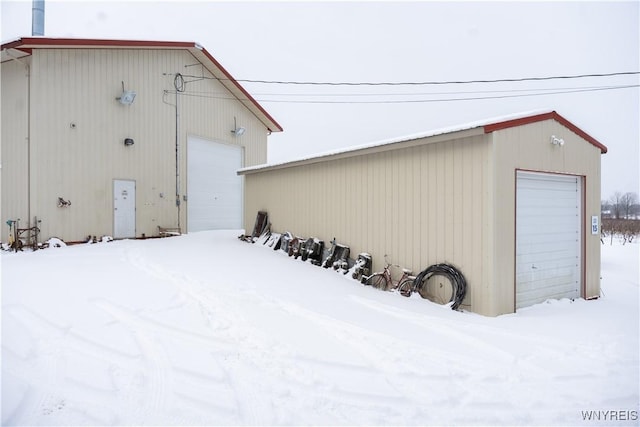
pixel 133 134
pixel 513 203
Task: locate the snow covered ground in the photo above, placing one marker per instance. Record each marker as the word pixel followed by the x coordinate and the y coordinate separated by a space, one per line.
pixel 204 329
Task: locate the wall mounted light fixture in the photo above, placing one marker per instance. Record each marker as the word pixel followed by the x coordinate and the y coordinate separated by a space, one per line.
pixel 237 131
pixel 557 141
pixel 127 96
pixel 128 142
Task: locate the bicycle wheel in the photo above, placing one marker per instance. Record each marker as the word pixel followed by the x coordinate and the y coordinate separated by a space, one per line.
pixel 405 288
pixel 377 280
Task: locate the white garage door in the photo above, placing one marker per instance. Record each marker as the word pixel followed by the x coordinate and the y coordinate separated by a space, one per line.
pixel 214 189
pixel 548 237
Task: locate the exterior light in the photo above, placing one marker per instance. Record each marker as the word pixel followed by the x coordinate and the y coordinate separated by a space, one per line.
pixel 557 141
pixel 237 131
pixel 128 142
pixel 127 97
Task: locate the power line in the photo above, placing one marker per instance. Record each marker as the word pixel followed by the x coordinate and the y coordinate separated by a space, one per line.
pixel 422 101
pixel 425 83
pixel 370 94
pixel 415 101
pixel 409 94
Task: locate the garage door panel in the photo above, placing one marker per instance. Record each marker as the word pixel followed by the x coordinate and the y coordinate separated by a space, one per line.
pixel 215 191
pixel 543 291
pixel 551 273
pixel 556 257
pixel 548 237
pixel 544 231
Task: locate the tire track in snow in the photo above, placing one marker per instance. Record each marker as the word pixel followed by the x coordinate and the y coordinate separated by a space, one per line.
pixel 164 384
pixel 505 371
pixel 48 360
pixel 251 370
pixel 497 354
pixel 375 358
pixel 251 407
pixel 340 387
pixel 156 393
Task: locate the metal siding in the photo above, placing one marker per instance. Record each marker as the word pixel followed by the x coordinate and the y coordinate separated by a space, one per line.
pixel 14 143
pixel 462 193
pixel 415 204
pixel 79 86
pixel 528 147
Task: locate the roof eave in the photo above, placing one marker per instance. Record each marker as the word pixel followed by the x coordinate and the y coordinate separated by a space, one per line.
pixel 26 44
pixel 241 93
pixel 552 115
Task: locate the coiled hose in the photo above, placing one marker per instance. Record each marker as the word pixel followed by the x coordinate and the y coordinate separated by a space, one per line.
pixel 456 278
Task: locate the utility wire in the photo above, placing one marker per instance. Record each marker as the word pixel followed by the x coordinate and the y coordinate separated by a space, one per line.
pixel 419 101
pixel 336 94
pixel 413 101
pixel 524 79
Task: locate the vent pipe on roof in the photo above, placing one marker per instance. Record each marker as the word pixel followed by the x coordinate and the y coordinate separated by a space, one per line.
pixel 37 18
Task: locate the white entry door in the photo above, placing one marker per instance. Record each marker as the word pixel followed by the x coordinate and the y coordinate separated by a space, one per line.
pixel 124 209
pixel 214 190
pixel 548 237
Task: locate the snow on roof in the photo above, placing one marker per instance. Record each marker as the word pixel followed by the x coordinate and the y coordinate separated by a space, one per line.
pixel 496 122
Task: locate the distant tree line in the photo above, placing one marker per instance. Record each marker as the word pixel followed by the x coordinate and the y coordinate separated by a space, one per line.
pixel 621 206
pixel 620 217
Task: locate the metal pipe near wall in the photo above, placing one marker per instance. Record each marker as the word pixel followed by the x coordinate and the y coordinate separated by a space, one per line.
pixel 37 18
pixel 28 128
pixel 178 84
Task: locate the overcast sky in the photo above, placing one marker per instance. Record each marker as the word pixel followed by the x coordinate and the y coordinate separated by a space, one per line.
pixel 400 43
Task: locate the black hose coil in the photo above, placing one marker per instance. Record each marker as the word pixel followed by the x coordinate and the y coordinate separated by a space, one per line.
pixel 453 274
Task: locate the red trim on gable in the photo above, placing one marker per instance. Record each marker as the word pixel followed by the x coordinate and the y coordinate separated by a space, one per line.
pixel 541 117
pixel 61 42
pixel 518 122
pixel 35 42
pixel 242 89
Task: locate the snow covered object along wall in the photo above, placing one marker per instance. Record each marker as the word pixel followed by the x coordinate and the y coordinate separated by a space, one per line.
pixel 419 202
pixel 446 196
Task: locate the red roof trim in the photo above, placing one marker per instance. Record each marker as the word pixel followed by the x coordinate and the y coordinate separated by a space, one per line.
pixel 244 92
pixel 45 41
pixel 541 117
pixel 62 42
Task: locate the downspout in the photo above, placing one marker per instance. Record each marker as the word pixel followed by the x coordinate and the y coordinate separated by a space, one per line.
pixel 28 107
pixel 178 84
pixel 29 147
pixel 178 158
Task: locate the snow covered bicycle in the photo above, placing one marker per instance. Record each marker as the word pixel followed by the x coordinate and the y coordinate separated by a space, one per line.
pixel 382 280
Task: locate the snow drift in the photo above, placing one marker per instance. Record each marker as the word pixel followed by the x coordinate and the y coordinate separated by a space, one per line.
pixel 205 329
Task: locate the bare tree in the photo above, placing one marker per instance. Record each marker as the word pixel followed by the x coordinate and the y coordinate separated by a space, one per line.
pixel 627 202
pixel 616 205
